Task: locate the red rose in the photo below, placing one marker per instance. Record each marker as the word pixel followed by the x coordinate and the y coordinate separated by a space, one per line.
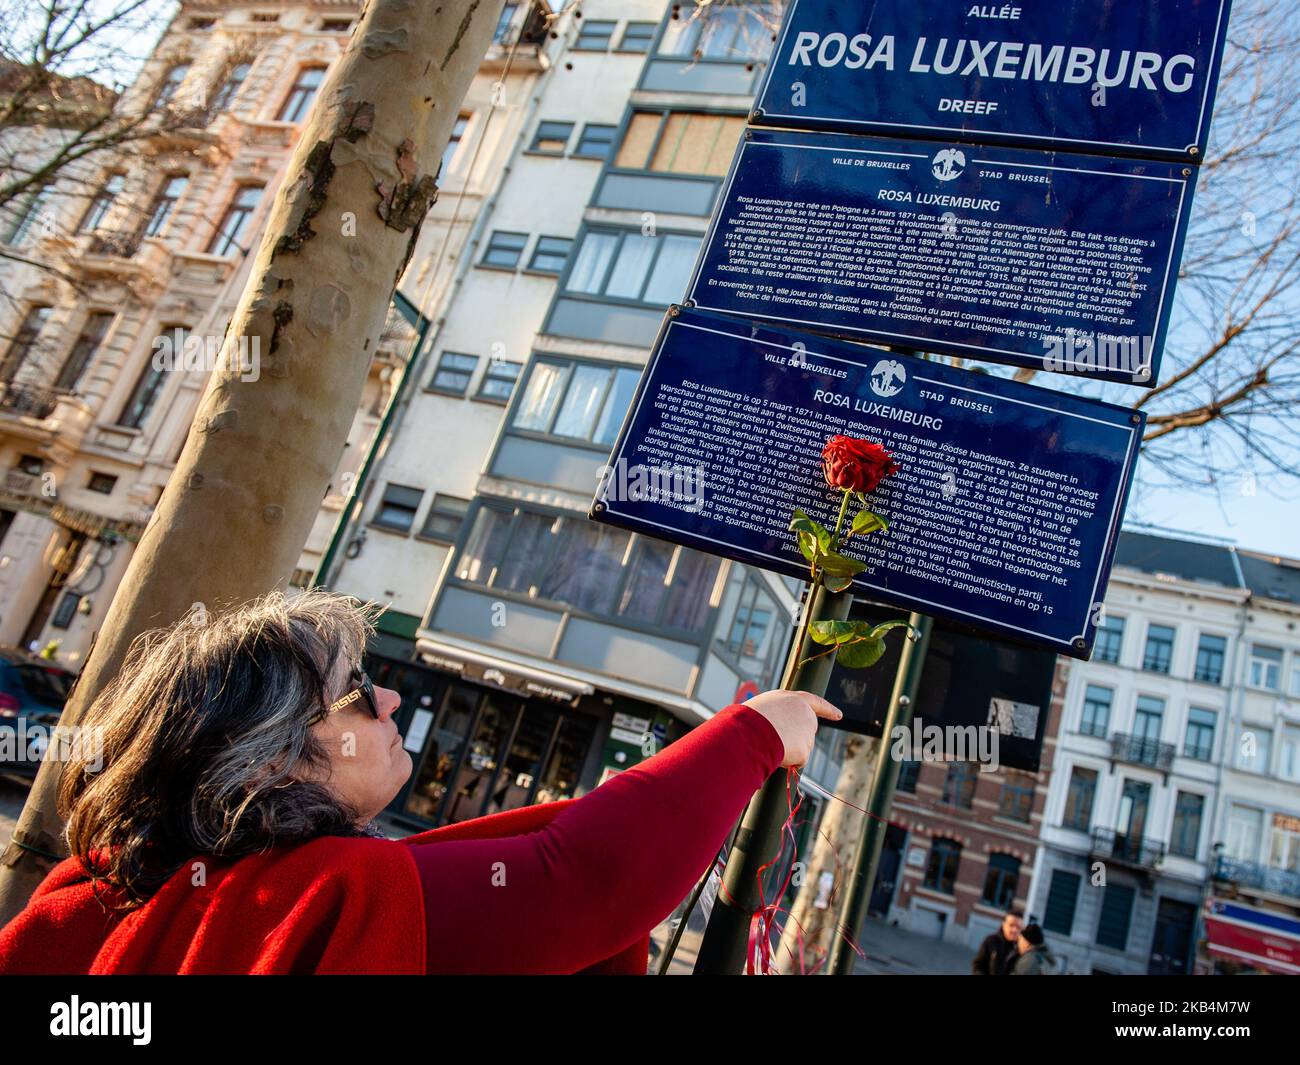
pixel 855 465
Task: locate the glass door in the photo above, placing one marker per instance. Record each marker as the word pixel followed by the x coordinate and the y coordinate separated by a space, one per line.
pixel 441 753
pixel 493 731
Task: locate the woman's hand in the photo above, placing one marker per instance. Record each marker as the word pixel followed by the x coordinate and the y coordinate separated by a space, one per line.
pixel 794 716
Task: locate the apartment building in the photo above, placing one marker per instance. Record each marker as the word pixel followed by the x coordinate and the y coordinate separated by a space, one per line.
pixel 121 260
pixel 538 652
pixel 1175 782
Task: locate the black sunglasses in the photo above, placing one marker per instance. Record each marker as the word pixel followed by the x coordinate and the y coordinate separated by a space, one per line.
pixel 365 690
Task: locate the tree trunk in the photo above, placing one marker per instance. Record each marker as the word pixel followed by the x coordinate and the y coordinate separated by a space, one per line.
pixel 834 850
pixel 239 506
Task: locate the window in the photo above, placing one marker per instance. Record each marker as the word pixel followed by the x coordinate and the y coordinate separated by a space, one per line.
pixel 752 618
pixel 1210 653
pixel 1001 880
pixel 83 349
pixel 147 386
pixel 24 340
pixel 445 517
pixel 335 25
pixel 941 872
pixel 504 249
pixel 230 87
pixel 1245 830
pixel 170 83
pixel 453 143
pixel 550 255
pixel 637 37
pixel 908 773
pixel 590 567
pixel 103 483
pixel 201 24
pixel 582 401
pixel 680 142
pixel 1147 718
pixel 1254 749
pixel 499 380
pixel 1288 762
pixel 32 465
pixel 1285 850
pixel 1199 743
pixel 959 785
pixel 551 138
pixel 595 35
pixel 1062 898
pixel 670 587
pixel 1109 640
pixel 1079 798
pixel 1096 710
pixel 503 23
pixel 735 32
pixel 1116 911
pixel 1265 667
pixel 164 200
pixel 1186 836
pixel 453 373
pixel 1159 649
pixel 99 206
pixel 397 508
pixel 297 103
pixel 1016 801
pixel 596 141
pixel 30 211
pixel 226 239
pixel 631 266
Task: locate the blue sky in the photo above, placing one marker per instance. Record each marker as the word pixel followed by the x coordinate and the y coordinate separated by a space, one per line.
pixel 1262 522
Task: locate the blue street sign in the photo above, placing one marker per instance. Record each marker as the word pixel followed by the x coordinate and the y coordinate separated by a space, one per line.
pixel 1132 78
pixel 1054 261
pixel 1004 514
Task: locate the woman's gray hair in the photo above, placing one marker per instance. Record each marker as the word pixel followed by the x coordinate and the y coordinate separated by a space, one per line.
pixel 207 737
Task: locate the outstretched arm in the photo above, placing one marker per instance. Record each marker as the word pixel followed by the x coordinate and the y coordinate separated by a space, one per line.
pixel 606 869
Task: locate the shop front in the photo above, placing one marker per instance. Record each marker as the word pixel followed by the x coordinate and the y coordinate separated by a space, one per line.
pixel 484 739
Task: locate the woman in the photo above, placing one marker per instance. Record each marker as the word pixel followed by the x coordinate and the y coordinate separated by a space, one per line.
pixel 228 830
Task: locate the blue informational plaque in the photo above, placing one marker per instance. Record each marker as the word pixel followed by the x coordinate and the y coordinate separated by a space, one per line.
pixel 1004 514
pixel 1054 261
pixel 1130 78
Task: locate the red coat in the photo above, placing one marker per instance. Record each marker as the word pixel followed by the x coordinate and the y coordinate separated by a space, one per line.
pixel 333 905
pixel 617 864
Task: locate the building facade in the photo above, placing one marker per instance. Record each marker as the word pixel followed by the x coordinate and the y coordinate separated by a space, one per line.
pixel 538 652
pixel 129 258
pixel 1174 779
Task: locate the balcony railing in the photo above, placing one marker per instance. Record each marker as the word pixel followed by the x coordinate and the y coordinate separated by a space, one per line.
pixel 1252 874
pixel 28 401
pixel 1131 850
pixel 1138 750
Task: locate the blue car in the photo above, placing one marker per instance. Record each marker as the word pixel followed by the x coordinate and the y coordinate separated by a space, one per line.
pixel 32 693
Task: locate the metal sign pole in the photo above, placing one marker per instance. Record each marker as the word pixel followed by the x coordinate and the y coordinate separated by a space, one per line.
pixel 726 938
pixel 881 797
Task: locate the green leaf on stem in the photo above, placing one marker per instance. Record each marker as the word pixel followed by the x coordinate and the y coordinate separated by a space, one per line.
pixel 841 565
pixel 864 521
pixel 836 584
pixel 885 626
pixel 801 523
pixel 861 653
pixel 828 632
pixel 808 545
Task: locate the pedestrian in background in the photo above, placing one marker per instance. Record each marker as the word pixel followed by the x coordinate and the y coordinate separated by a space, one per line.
pixel 998 951
pixel 1034 958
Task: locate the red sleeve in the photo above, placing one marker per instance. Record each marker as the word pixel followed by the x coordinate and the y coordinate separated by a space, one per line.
pixel 603 872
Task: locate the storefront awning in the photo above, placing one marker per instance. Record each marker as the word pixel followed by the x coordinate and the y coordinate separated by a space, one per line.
pixel 529 676
pixel 1249 936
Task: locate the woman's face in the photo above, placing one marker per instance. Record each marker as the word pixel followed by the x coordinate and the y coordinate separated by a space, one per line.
pixel 368 764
